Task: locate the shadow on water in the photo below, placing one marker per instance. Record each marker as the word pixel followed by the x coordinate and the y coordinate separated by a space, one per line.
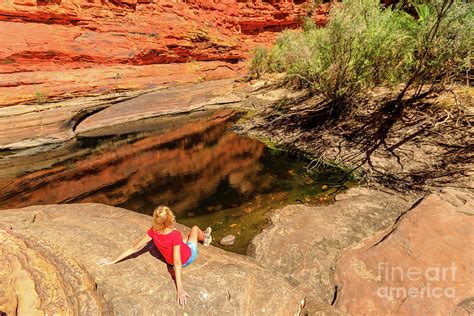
pixel 208 175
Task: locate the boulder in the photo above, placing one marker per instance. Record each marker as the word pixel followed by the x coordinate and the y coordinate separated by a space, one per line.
pixel 51 253
pixel 228 240
pixel 302 243
pixel 421 265
pixel 374 253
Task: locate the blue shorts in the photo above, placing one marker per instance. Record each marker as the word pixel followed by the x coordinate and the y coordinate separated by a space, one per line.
pixel 194 253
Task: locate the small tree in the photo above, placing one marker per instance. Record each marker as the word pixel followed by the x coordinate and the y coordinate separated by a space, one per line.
pixel 259 62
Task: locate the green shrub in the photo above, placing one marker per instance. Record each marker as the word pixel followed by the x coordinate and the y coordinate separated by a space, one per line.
pixel 365 45
pixel 40 97
pixel 308 24
pixel 259 63
pixel 442 49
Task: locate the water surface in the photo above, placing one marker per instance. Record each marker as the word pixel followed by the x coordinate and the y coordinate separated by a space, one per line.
pixel 207 174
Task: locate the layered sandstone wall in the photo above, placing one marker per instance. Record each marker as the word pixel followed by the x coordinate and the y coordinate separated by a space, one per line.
pixel 48 44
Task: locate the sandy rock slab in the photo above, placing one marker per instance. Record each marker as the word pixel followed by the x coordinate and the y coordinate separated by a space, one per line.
pixel 220 283
pixel 27 126
pixel 302 243
pixel 36 88
pixel 173 100
pixel 422 265
pixel 36 279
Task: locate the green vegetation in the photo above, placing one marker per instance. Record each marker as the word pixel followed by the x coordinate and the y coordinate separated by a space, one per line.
pixel 370 82
pixel 260 62
pixel 365 45
pixel 40 97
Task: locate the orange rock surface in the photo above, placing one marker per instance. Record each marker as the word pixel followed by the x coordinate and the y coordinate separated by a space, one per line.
pixel 46 42
pixel 422 265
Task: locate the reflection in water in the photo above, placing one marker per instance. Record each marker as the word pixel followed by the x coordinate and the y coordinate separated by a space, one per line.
pixel 197 167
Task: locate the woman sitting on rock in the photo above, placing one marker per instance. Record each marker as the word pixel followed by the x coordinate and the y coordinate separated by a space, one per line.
pixel 170 243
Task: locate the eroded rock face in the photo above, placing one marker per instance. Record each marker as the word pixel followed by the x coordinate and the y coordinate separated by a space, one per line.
pixel 422 265
pixel 36 279
pixel 83 33
pixel 48 43
pixel 302 243
pixel 220 283
pixel 37 88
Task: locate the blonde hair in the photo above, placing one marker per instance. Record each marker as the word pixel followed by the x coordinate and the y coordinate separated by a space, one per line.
pixel 163 217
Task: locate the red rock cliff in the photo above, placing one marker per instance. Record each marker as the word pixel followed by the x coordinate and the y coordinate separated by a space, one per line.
pixel 45 42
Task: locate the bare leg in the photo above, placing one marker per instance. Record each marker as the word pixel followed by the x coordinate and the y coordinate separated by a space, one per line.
pixel 195 235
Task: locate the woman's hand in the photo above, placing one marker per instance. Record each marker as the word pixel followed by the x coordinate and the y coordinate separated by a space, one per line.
pixel 181 297
pixel 105 262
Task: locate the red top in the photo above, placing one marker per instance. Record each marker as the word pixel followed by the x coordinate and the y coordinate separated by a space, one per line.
pixel 165 243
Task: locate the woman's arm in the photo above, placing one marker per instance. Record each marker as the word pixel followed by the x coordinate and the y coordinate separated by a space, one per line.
pixel 181 294
pixel 135 248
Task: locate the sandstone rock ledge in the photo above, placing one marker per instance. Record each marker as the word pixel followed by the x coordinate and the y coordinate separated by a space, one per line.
pixel 48 264
pixel 358 255
pixel 422 265
pixel 30 126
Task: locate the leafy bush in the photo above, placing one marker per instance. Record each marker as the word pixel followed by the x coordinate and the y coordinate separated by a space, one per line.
pixel 40 97
pixel 442 40
pixel 259 62
pixel 365 45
